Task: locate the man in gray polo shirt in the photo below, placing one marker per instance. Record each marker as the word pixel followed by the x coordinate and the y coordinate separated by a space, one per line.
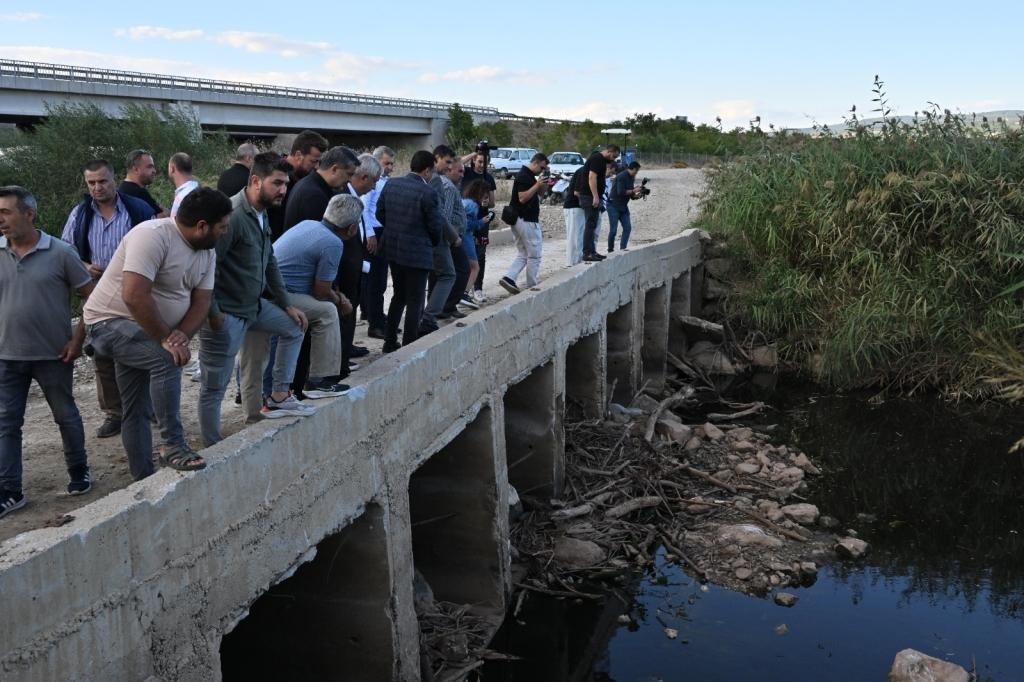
pixel 37 275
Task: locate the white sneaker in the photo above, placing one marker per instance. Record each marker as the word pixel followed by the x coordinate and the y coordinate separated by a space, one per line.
pixel 289 407
pixel 479 296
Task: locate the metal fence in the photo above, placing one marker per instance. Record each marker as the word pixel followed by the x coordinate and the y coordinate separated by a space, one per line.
pixel 84 74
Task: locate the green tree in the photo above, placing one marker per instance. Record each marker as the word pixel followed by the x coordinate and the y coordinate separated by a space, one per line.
pixel 499 133
pixel 461 131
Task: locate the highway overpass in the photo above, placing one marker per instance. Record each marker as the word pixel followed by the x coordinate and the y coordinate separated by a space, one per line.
pixel 243 109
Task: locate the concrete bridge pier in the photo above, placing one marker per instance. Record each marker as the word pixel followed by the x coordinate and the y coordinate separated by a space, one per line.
pixel 586 371
pixel 534 437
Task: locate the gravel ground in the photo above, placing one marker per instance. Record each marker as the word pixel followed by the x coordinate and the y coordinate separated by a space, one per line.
pixel 671 208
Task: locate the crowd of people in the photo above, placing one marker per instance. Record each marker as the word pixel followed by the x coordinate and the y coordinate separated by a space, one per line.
pixel 267 269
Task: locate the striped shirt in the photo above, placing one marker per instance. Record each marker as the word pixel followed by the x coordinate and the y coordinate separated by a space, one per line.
pixel 104 235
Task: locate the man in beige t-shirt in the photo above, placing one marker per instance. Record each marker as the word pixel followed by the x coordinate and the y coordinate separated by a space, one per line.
pixel 152 298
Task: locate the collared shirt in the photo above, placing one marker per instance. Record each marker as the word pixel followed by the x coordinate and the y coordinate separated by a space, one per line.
pixel 104 234
pixel 364 230
pixel 308 252
pixel 35 298
pixel 180 193
pixel 370 207
pixel 450 205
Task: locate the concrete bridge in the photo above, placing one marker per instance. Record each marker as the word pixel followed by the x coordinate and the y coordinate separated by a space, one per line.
pixel 241 108
pixel 292 555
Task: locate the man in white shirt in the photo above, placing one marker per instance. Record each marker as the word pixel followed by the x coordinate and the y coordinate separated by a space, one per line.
pixel 179 170
pixel 376 281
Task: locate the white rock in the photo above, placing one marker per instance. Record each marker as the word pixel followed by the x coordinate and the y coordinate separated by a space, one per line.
pixel 694 443
pixel 747 468
pixel 743 446
pixel 803 513
pixel 675 431
pixel 712 432
pixel 851 548
pixel 785 599
pixel 671 633
pixel 746 534
pixel 578 553
pixel 742 433
pixel 913 666
pixel 802 462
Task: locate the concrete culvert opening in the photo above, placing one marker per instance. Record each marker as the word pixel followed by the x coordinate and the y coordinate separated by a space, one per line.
pixel 328 621
pixel 453 505
pixel 534 439
pixel 585 378
pixel 620 354
pixel 679 306
pixel 654 352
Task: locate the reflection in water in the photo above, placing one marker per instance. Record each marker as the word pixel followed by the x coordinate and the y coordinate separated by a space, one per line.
pixel 945 574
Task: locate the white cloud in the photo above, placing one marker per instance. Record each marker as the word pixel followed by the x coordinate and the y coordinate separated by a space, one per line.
pixel 21 17
pixel 158 33
pixel 484 73
pixel 738 111
pixel 271 43
pixel 595 111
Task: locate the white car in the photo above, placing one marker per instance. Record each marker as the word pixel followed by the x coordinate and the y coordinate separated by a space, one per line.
pixel 506 161
pixel 565 162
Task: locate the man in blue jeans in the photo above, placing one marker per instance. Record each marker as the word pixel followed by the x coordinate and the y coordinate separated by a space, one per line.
pixel 148 304
pixel 37 275
pixel 622 190
pixel 241 321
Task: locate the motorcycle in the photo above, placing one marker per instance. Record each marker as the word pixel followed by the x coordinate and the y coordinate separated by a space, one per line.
pixel 559 185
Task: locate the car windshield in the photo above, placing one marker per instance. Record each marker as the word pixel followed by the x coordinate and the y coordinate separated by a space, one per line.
pixel 501 153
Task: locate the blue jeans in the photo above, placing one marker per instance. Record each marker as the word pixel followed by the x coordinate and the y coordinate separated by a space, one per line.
pixel 149 383
pixel 55 378
pixel 616 215
pixel 217 351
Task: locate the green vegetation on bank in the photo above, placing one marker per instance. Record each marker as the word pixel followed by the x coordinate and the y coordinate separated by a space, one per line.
pixel 49 159
pixel 883 256
pixel 650 134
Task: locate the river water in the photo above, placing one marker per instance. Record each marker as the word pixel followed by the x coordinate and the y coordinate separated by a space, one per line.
pixel 945 574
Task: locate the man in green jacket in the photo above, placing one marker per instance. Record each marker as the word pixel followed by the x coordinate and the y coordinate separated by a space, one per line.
pixel 250 302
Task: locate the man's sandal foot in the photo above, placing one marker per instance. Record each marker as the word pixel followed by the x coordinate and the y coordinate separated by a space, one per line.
pixel 182 459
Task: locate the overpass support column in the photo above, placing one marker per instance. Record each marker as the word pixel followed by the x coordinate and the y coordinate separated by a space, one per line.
pixel 534 435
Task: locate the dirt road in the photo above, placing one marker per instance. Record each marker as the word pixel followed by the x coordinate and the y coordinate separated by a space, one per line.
pixel 671 208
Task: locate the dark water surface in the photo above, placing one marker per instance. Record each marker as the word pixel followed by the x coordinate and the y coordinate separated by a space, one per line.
pixel 945 574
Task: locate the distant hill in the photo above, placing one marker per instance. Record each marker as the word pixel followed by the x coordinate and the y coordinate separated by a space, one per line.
pixel 1012 117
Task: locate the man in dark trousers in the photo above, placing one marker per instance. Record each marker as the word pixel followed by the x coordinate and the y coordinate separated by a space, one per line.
pixel 234 179
pixel 95 228
pixel 139 172
pixel 622 191
pixel 408 209
pixel 376 281
pixel 590 192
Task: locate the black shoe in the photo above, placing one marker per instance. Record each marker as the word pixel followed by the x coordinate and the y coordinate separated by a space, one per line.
pixel 9 501
pixel 423 331
pixel 599 256
pixel 391 346
pixel 238 398
pixel 508 285
pixel 110 427
pixel 591 258
pixel 375 333
pixel 444 315
pixel 358 351
pixel 467 300
pixel 455 314
pixel 324 388
pixel 80 482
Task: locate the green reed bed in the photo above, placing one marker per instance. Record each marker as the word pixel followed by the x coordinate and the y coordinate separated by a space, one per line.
pixel 881 255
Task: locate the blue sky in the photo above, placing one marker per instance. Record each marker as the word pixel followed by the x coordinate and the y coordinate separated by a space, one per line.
pixel 792 63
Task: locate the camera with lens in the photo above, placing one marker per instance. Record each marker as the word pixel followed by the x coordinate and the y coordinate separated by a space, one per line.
pixel 484 147
pixel 644 189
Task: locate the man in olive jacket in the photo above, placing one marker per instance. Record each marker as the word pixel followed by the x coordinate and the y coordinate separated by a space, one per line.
pixel 246 267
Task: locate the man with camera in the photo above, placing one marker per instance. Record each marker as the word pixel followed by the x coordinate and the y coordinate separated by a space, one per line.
pixel 530 181
pixel 623 189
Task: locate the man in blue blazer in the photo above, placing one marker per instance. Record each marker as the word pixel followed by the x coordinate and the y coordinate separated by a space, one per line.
pixel 409 211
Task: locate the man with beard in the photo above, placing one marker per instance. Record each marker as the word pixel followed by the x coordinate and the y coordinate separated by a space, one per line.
pixel 139 172
pixel 150 301
pixel 306 150
pixel 246 267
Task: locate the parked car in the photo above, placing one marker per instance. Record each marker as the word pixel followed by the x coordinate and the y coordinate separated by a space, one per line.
pixel 506 161
pixel 565 162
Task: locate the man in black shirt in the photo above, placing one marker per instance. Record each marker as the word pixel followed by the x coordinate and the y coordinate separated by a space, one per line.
pixel 590 191
pixel 139 172
pixel 310 195
pixel 477 170
pixel 526 232
pixel 306 150
pixel 234 179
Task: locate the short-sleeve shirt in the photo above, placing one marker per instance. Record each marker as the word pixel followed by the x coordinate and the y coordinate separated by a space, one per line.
pixel 308 252
pixel 470 175
pixel 134 189
pixel 598 164
pixel 525 179
pixel 571 200
pixel 35 299
pixel 180 193
pixel 156 250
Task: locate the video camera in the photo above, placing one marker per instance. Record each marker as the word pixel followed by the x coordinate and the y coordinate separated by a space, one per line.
pixel 644 189
pixel 484 147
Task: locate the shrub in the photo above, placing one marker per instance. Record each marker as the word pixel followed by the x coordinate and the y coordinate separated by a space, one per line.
pixel 48 160
pixel 882 255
